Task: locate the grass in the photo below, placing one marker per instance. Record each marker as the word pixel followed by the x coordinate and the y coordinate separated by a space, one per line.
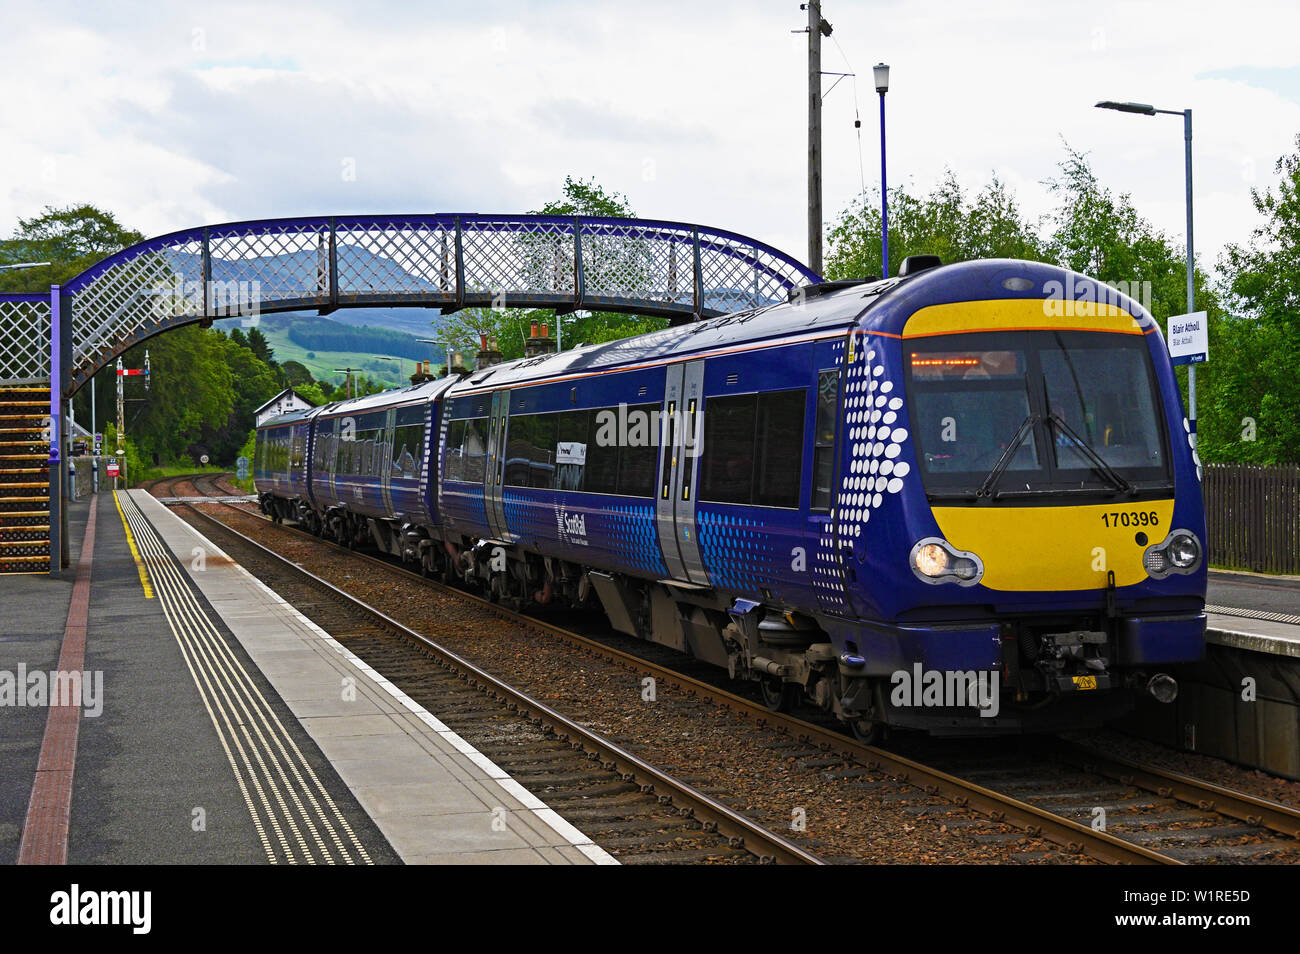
pixel 323 364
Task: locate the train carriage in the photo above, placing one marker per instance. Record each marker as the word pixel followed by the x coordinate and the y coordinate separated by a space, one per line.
pixel 955 471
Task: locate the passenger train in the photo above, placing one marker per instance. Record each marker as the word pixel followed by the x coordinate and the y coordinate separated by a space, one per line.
pixel 877 497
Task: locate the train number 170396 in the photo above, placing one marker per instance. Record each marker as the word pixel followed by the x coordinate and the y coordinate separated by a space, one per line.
pixel 1137 518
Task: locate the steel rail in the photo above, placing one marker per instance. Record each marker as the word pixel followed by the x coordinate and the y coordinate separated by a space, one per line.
pixel 1204 795
pixel 1038 822
pixel 767 845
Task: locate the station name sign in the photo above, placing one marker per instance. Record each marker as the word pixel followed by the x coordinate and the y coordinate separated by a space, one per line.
pixel 1189 338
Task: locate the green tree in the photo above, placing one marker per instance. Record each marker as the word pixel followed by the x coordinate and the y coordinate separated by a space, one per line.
pixel 945 222
pixel 254 382
pixel 1101 234
pixel 70 239
pixel 192 387
pixel 313 391
pixel 1252 392
pixel 610 261
pixel 260 347
pixel 295 374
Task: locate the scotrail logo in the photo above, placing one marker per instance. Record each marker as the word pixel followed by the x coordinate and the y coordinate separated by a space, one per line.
pixel 948 689
pixel 572 527
pixel 38 689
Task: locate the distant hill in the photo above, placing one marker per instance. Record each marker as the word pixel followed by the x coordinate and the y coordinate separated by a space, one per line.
pixel 324 345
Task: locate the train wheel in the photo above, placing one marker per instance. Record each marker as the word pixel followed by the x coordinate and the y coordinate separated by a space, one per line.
pixel 867 732
pixel 778 696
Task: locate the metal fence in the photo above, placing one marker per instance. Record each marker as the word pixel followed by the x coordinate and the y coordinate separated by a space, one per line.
pixel 1253 517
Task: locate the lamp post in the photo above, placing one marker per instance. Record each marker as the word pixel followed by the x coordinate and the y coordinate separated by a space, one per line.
pixel 881 71
pixel 1144 109
pixel 386 357
pixel 446 349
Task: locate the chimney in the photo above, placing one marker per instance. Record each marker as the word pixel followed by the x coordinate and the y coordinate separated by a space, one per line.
pixel 539 340
pixel 456 363
pixel 488 354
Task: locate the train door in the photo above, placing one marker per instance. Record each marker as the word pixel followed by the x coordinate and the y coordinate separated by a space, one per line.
pixel 496 461
pixel 385 453
pixel 681 423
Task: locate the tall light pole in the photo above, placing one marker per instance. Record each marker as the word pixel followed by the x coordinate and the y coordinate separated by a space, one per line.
pixel 881 71
pixel 446 349
pixel 387 357
pixel 1147 110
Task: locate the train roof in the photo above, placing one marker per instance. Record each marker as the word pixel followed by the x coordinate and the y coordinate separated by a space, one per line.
pixel 876 305
pixel 833 309
pixel 881 305
pixel 411 394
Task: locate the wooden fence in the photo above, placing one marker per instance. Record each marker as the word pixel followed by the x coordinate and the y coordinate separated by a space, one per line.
pixel 1253 517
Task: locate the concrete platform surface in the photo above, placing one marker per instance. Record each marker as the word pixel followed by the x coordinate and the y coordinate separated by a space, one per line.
pixel 435 798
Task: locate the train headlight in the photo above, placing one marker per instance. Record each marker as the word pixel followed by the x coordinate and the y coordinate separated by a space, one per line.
pixel 932 560
pixel 935 560
pixel 1184 551
pixel 1180 552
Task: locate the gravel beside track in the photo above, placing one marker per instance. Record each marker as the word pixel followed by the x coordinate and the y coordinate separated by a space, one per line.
pixel 847 811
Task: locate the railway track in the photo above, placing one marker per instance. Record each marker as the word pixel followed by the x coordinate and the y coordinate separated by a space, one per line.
pixel 635 810
pixel 1053 796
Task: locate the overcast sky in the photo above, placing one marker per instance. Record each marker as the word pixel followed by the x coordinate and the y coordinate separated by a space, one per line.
pixel 180 114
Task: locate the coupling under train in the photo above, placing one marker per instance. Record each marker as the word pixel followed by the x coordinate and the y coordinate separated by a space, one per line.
pixel 951 500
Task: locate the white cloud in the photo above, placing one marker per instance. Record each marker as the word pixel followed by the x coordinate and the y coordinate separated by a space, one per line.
pixel 179 115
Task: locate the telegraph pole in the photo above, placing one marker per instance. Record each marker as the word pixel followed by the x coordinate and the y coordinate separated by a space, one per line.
pixel 351 391
pixel 815 134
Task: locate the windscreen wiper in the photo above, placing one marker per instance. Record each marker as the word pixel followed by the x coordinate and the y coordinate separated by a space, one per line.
pixel 1098 462
pixel 1026 427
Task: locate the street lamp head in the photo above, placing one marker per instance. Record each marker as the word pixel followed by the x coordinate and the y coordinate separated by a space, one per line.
pixel 1142 108
pixel 882 77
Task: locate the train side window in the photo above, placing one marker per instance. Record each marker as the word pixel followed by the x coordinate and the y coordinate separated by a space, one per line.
pixel 749 451
pixel 453 465
pixel 638 456
pixel 778 448
pixel 528 450
pixel 828 395
pixel 727 464
pixel 601 475
pixel 636 471
pixel 570 449
pixel 407 445
pixel 474 449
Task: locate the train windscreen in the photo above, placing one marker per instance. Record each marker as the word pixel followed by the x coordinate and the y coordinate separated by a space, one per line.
pixel 1006 413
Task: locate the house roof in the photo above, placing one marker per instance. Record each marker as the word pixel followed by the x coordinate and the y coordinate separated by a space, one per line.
pixel 280 396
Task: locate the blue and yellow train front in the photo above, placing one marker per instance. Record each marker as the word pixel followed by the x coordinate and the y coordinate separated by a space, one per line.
pixel 1047 532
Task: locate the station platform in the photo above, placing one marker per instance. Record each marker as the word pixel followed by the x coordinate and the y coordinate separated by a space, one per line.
pixel 1253 611
pixel 1242 701
pixel 216 724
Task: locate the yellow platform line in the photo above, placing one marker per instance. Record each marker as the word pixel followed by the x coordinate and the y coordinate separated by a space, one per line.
pixel 135 553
